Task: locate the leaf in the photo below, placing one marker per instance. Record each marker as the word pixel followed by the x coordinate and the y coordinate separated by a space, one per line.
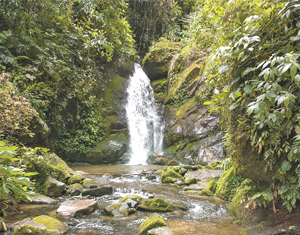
pixel 297 79
pixel 248 89
pixel 286 67
pixel 4 191
pixel 286 101
pixel 295 38
pixel 293 71
pixel 223 69
pixel 280 100
pixel 30 173
pixel 286 166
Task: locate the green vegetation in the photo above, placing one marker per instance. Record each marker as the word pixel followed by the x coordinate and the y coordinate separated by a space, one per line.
pixel 156 205
pixel 153 221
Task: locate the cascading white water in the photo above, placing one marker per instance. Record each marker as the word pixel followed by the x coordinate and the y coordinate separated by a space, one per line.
pixel 145 124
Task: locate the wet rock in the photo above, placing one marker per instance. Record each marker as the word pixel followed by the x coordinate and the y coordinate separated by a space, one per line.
pixel 179 182
pixel 87 182
pixel 182 171
pixel 168 172
pixel 151 177
pixel 150 195
pixel 156 70
pixel 42 199
pixel 53 187
pixel 160 231
pixel 203 174
pixel 76 208
pixel 196 187
pixel 190 181
pixel 169 180
pixel 156 159
pixel 153 221
pixel 77 178
pixel 39 225
pixel 109 150
pixel 156 205
pixel 121 209
pixel 98 192
pixel 132 197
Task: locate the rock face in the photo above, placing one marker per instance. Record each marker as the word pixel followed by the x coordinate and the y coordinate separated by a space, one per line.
pixel 39 225
pixel 156 159
pixel 109 150
pixel 153 221
pixel 77 208
pixel 203 174
pixel 53 187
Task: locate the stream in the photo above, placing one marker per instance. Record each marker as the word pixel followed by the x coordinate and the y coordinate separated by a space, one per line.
pixel 205 215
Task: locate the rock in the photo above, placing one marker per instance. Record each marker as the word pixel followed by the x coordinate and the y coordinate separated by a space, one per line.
pixel 182 171
pixel 87 182
pixel 77 178
pixel 169 180
pixel 77 208
pixel 156 159
pixel 98 192
pixel 206 192
pixel 190 181
pixel 153 221
pixel 160 231
pixel 108 151
pixel 156 70
pixel 42 199
pixel 39 225
pixel 156 205
pixel 203 174
pixel 74 189
pixel 132 197
pixel 151 177
pixel 53 187
pixel 196 187
pixel 120 209
pixel 168 172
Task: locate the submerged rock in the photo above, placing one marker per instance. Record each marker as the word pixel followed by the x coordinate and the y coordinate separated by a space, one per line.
pixel 39 225
pixel 77 208
pixel 87 182
pixel 120 209
pixel 53 187
pixel 98 192
pixel 156 205
pixel 153 221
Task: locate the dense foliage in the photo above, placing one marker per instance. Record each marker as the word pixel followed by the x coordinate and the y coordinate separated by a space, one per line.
pixel 242 59
pixel 56 52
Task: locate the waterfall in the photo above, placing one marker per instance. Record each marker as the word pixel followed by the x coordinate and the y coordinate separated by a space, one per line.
pixel 145 124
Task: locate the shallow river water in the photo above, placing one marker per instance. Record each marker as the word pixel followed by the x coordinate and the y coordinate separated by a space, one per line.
pixel 206 215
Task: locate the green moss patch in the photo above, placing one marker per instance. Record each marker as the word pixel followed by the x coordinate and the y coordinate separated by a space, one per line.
pixel 153 221
pixel 87 182
pixel 157 205
pixel 169 172
pixel 132 197
pixel 75 179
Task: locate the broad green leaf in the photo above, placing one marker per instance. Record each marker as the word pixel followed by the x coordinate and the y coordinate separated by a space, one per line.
pixel 297 79
pixel 248 89
pixel 223 69
pixel 286 101
pixel 30 173
pixel 4 172
pixel 4 191
pixel 298 24
pixel 297 38
pixel 293 71
pixel 280 100
pixel 285 166
pixel 286 67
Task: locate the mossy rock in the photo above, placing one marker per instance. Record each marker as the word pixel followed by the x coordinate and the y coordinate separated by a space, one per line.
pixel 40 225
pixel 168 172
pixel 206 192
pixel 227 185
pixel 75 186
pixel 153 221
pixel 53 187
pixel 234 207
pixel 156 205
pixel 76 179
pixel 190 181
pixel 132 197
pixel 87 182
pixel 212 186
pixel 169 180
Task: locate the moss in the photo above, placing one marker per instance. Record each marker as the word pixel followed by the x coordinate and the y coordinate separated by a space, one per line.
pixel 206 192
pixel 262 224
pixel 169 180
pixel 238 199
pixel 227 185
pixel 201 167
pixel 212 186
pixel 87 182
pixel 112 87
pixel 76 186
pixel 157 204
pixel 186 108
pixel 132 197
pixel 49 222
pixel 75 179
pixel 27 229
pixel 190 181
pixel 153 221
pixel 168 172
pixel 121 138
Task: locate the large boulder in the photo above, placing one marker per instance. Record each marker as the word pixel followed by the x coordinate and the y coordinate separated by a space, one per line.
pixel 76 208
pixel 39 225
pixel 121 209
pixel 53 187
pixel 108 151
pixel 98 191
pixel 156 159
pixel 153 221
pixel 203 174
pixel 42 199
